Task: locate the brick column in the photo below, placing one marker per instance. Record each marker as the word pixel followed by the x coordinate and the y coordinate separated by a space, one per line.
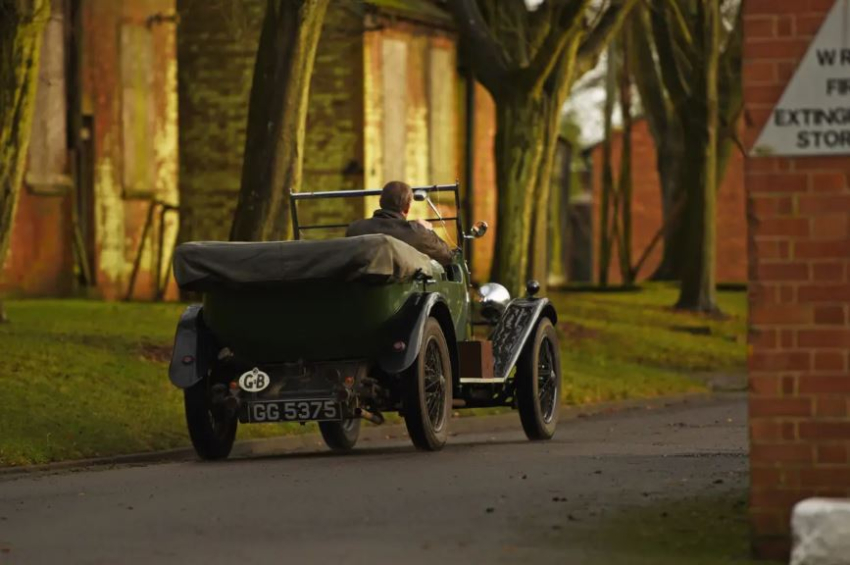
pixel 799 237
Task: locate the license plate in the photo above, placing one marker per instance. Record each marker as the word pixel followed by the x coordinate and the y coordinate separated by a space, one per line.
pixel 294 411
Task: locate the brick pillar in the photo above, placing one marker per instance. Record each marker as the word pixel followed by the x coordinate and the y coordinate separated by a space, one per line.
pixel 799 238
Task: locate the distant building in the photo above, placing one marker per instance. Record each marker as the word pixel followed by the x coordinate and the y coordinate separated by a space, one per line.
pixel 102 167
pixel 99 213
pixel 387 101
pixel 105 191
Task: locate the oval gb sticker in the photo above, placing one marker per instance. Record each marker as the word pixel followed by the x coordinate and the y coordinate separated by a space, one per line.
pixel 254 380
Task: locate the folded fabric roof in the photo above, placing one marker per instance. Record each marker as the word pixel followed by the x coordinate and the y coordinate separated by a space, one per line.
pixel 205 265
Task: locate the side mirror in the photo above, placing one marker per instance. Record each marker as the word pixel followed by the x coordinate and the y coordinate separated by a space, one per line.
pixel 420 195
pixel 478 230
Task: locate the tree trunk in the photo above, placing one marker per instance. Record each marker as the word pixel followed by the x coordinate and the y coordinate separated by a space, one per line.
pixel 554 95
pixel 274 148
pixel 625 181
pixel 605 219
pixel 21 25
pixel 520 133
pixel 538 268
pixel 668 163
pixel 698 290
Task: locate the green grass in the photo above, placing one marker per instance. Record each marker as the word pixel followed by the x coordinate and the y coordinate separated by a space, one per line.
pixel 633 345
pixel 85 379
pixel 704 530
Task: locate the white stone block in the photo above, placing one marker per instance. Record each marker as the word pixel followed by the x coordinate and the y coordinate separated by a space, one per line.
pixel 821 529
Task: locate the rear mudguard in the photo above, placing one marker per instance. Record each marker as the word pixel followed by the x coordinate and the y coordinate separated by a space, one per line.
pixel 401 337
pixel 514 329
pixel 194 349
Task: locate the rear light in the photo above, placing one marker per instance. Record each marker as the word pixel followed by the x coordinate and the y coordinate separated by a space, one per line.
pixel 188 359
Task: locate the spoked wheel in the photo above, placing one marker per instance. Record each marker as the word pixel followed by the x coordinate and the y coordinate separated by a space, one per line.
pixel 428 391
pixel 340 436
pixel 538 382
pixel 212 430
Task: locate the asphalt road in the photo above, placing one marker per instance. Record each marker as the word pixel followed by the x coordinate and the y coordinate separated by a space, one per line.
pixel 488 497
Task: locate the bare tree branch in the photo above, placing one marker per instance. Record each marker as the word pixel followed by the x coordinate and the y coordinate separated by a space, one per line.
pixel 568 23
pixel 599 37
pixel 491 65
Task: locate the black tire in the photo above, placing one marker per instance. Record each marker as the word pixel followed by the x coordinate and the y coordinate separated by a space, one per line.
pixel 340 436
pixel 538 382
pixel 212 430
pixel 427 391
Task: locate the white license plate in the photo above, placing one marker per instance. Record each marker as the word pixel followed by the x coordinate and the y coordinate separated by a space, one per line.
pixel 294 411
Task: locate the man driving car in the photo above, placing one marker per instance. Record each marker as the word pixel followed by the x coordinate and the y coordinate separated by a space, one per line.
pixel 391 219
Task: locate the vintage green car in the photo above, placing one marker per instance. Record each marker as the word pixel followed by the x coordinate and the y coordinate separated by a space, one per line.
pixel 343 330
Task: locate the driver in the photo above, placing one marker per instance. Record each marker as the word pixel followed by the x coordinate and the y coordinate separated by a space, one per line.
pixel 391 219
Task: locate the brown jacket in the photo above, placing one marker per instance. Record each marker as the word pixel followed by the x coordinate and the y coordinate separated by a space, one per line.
pixel 393 223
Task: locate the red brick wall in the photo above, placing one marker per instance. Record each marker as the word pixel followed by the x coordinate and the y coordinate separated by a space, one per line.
pixel 646 210
pixel 799 237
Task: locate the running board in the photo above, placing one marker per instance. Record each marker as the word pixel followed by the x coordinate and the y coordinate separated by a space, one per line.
pixel 482 381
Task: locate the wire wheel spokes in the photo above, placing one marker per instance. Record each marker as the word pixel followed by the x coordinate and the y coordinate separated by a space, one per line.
pixel 435 385
pixel 547 381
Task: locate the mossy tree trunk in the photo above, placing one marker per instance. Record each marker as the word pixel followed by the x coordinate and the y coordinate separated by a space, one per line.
pixel 607 196
pixel 556 91
pixel 666 132
pixel 690 86
pixel 277 114
pixel 698 290
pixel 21 25
pixel 624 186
pixel 528 60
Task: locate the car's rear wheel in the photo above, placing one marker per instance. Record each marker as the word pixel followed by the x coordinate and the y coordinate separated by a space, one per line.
pixel 211 428
pixel 427 389
pixel 340 436
pixel 538 382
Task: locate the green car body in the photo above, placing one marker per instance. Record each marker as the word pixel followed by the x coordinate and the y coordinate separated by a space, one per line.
pixel 325 320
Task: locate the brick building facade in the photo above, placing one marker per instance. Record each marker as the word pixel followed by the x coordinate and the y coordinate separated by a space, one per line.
pixel 799 238
pixel 646 209
pixel 99 211
pixel 102 164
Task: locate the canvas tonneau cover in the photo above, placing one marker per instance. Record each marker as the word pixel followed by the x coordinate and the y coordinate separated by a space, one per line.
pixel 205 265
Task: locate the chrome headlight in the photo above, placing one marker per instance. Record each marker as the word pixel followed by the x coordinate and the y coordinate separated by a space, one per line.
pixel 494 300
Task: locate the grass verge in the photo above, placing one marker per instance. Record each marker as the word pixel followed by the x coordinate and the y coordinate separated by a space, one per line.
pixel 86 379
pixel 633 345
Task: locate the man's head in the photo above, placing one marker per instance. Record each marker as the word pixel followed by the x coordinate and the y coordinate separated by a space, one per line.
pixel 396 196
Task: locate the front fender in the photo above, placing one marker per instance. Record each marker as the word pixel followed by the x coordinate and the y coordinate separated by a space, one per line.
pixel 194 348
pixel 513 330
pixel 407 327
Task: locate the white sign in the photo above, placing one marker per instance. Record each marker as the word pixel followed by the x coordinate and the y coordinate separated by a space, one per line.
pixel 813 115
pixel 254 380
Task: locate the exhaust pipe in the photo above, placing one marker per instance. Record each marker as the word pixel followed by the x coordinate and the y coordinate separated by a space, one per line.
pixel 376 418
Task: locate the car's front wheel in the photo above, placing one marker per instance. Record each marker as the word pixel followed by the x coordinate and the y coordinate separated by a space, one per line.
pixel 211 428
pixel 538 382
pixel 340 436
pixel 428 391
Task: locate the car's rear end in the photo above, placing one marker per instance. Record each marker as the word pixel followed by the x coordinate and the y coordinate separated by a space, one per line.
pixel 288 331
